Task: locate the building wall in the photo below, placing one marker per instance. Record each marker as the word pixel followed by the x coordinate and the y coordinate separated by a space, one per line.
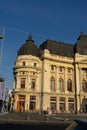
pixel 46 72
pixel 57 62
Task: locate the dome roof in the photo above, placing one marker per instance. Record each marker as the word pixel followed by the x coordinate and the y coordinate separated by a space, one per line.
pixel 29 48
pixel 81 45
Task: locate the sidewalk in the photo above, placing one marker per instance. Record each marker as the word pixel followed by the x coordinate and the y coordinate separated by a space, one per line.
pixel 41 117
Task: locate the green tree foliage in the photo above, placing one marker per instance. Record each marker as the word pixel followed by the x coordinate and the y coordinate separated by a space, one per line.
pixel 1 79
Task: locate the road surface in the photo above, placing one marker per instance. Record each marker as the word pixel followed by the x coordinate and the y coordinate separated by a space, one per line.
pixel 33 126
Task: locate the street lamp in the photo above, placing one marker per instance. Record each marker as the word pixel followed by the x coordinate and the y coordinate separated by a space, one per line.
pixel 2 45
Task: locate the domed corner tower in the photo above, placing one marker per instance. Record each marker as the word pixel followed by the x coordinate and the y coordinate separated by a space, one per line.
pixel 81 45
pixel 27 77
pixel 29 48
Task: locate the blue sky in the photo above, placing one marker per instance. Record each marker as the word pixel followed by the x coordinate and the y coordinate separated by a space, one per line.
pixel 60 20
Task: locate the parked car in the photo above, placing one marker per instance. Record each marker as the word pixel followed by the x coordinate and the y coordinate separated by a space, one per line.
pixel 78 124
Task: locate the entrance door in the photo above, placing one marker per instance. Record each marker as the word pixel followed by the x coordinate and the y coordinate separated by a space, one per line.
pixel 21 103
pixel 21 106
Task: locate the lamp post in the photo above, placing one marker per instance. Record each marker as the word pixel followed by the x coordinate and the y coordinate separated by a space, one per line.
pixel 40 96
pixel 2 45
pixel 41 89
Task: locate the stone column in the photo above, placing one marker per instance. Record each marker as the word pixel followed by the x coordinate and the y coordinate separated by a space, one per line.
pixel 57 104
pixel 77 80
pixel 80 85
pixel 27 103
pixel 73 80
pixel 80 81
pixel 66 105
pixel 15 103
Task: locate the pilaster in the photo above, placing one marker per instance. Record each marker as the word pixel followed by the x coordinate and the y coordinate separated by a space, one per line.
pixel 65 83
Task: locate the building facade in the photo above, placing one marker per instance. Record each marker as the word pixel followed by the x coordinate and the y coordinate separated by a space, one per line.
pixel 52 77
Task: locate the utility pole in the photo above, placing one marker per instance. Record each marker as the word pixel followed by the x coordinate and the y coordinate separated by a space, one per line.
pixel 2 31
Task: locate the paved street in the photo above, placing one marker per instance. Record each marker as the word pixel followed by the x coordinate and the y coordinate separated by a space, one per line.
pixel 43 117
pixel 35 121
pixel 33 126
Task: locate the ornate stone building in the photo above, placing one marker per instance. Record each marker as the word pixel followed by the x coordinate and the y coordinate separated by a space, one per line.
pixel 51 76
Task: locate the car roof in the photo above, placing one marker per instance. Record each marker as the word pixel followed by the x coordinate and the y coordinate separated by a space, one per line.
pixel 81 121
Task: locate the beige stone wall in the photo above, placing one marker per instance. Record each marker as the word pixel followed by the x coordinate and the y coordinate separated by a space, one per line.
pixel 31 67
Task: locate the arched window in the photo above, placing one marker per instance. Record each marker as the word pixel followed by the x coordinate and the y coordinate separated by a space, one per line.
pixel 61 84
pixel 84 86
pixel 69 85
pixel 52 84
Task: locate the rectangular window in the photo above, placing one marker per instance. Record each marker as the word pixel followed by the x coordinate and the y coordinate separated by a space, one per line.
pixel 84 72
pixel 35 64
pixel 33 83
pixel 23 82
pixel 69 70
pixel 32 98
pixel 60 68
pixel 52 67
pixel 84 86
pixel 22 97
pixel 62 104
pixel 71 104
pixel 53 103
pixel 15 82
pixel 23 63
pixel 32 102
